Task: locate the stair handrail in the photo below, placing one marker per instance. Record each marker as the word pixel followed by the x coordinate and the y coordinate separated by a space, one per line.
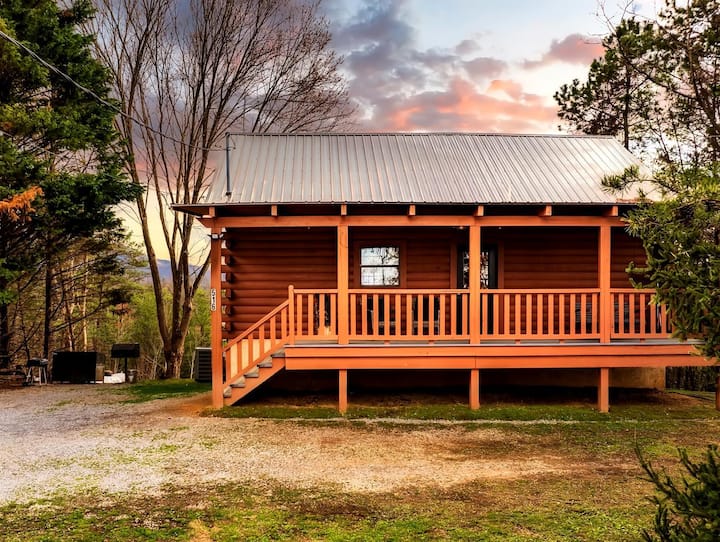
pixel 255 326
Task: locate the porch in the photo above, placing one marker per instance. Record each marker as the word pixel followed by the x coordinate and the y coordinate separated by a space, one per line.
pixel 315 329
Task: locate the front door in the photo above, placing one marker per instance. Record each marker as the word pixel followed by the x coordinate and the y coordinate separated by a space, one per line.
pixel 488 274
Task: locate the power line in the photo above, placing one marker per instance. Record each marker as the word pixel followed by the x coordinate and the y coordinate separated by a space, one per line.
pixel 101 100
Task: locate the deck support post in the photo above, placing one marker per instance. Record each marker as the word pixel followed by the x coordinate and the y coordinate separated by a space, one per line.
pixel 342 391
pixel 216 317
pixel 343 278
pixel 474 389
pixel 604 271
pixel 604 390
pixel 475 257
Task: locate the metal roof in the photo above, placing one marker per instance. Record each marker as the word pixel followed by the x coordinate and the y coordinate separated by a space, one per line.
pixel 432 168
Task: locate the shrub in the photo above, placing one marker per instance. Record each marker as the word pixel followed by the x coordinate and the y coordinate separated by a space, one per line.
pixel 689 508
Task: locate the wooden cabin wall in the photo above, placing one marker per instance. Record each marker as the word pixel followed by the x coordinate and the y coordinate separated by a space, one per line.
pixel 259 264
pixel 625 249
pixel 548 257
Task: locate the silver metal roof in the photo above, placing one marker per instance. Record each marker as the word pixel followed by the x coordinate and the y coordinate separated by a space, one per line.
pixel 447 168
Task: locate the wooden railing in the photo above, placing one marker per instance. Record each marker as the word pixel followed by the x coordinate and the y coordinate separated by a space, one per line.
pixel 255 344
pixel 314 313
pixel 636 317
pixel 394 314
pixel 540 314
pixel 397 315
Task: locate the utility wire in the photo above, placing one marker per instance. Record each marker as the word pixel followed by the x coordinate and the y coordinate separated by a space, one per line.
pixel 104 102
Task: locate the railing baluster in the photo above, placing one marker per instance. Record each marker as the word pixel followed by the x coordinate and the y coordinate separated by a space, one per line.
pixel 376 315
pixel 386 314
pixel 419 317
pixel 398 314
pixel 299 316
pixel 642 309
pixel 408 315
pixel 539 328
pixel 431 315
pixel 528 314
pixel 441 315
pixel 551 314
pixel 353 314
pixel 333 314
pixel 453 315
pixel 464 300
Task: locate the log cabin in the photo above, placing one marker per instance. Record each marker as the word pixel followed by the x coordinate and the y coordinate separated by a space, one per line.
pixel 448 252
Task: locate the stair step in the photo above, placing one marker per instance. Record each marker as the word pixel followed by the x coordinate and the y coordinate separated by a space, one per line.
pixel 239 383
pixel 266 363
pixel 227 392
pixel 253 373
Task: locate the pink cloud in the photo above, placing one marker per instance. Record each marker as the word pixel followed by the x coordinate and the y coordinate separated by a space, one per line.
pixel 463 108
pixel 573 49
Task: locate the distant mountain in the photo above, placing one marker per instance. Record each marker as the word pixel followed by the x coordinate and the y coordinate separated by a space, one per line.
pixel 166 275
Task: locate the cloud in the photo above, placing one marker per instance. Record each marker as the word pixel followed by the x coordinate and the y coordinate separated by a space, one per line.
pixel 573 49
pixel 400 86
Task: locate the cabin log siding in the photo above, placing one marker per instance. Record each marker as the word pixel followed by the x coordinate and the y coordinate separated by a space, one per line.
pixel 624 249
pixel 259 264
pixel 548 257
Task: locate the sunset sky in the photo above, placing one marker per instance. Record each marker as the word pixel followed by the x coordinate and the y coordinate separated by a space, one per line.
pixel 467 65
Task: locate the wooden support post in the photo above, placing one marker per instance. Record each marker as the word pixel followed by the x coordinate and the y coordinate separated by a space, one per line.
pixel 291 314
pixel 343 279
pixel 474 389
pixel 343 209
pixel 342 391
pixel 475 258
pixel 606 309
pixel 216 317
pixel 604 390
pixel 717 393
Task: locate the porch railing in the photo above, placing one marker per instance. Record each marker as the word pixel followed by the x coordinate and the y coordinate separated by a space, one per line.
pixel 636 317
pixel 540 314
pixel 408 314
pixel 505 314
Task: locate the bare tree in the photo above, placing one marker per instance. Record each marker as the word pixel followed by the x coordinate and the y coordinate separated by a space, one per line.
pixel 190 71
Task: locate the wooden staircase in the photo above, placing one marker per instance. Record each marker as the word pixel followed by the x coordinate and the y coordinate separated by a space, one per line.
pixel 256 355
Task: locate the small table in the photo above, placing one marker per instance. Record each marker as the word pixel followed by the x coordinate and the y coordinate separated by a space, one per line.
pixel 36 370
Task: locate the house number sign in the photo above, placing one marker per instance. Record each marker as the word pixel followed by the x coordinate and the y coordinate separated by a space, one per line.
pixel 213 299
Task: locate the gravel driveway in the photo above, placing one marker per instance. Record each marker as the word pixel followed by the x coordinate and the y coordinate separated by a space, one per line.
pixel 69 439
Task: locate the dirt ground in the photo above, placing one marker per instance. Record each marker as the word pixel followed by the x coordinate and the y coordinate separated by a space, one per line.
pixel 62 439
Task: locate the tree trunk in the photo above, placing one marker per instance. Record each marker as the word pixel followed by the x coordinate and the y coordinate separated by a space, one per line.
pixel 47 321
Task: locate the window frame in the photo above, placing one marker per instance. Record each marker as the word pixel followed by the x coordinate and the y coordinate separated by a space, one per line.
pixel 380 244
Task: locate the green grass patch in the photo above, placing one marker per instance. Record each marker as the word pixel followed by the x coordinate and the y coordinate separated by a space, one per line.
pixel 660 407
pixel 546 509
pixel 149 390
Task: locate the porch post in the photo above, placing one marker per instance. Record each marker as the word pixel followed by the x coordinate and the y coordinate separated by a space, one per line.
pixel 606 316
pixel 216 317
pixel 343 278
pixel 342 391
pixel 475 257
pixel 474 389
pixel 604 390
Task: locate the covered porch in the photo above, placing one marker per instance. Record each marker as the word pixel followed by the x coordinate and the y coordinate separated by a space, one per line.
pixel 353 326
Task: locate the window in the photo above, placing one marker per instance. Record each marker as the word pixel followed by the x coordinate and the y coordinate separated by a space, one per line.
pixel 380 266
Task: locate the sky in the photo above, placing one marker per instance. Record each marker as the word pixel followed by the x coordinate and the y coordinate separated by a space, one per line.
pixel 467 65
pixel 461 65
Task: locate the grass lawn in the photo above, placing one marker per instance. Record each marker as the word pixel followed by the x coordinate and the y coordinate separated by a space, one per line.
pixel 606 502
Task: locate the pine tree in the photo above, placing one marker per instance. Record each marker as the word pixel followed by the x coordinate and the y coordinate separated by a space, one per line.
pixel 55 135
